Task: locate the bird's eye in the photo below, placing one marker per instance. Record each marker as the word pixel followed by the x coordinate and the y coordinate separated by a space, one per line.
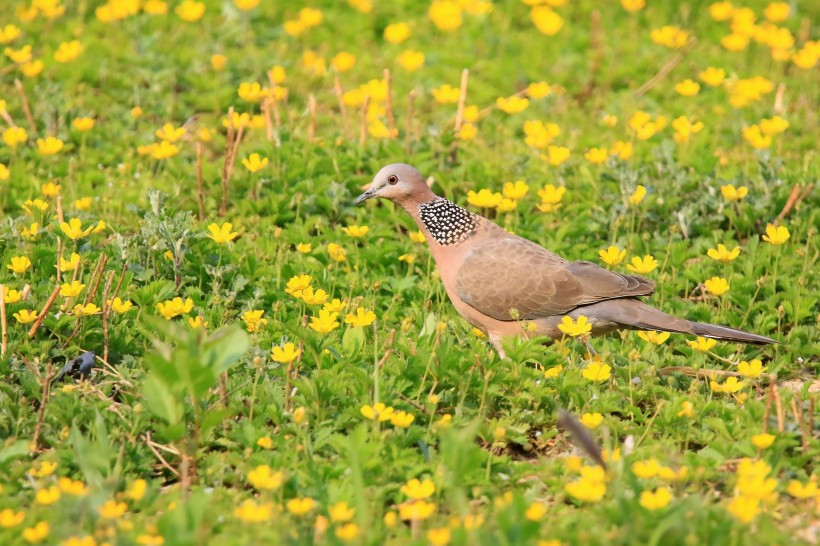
pixel 392 179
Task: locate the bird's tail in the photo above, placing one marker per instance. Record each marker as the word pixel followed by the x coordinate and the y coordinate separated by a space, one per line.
pixel 634 314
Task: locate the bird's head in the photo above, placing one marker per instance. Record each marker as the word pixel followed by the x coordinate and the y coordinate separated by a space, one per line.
pixel 399 183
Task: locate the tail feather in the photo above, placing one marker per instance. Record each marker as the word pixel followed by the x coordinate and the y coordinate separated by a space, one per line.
pixel 634 314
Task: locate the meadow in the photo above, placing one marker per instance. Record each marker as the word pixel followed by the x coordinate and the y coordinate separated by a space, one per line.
pixel 274 365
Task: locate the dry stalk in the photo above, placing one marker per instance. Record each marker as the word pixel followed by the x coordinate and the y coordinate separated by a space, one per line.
pixel 666 69
pixel 200 186
pixel 363 126
pixel 4 337
pixel 41 413
pixel 26 108
pixel 388 106
pixel 44 312
pixel 337 88
pixel 312 112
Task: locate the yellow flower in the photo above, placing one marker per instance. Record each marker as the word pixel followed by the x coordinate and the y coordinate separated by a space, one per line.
pixel 535 511
pixel 9 33
pixel 805 58
pixel 716 286
pixel 596 156
pixel 446 94
pixel 417 490
pixel 687 409
pixel 763 440
pixel 50 189
pixel 589 488
pixel 722 254
pixel 633 5
pixel 513 104
pixel 13 136
pixel 253 320
pixel 72 289
pixel 83 203
pixel 484 198
pixel 702 344
pixel 612 255
pixel 262 478
pixel 70 264
pixel 347 532
pixel 119 306
pixel 245 5
pixel 597 372
pixel 417 236
pixel 377 412
pixel 30 232
pixel 47 496
pixel 83 124
pixel 670 36
pixel 712 76
pixel 265 442
pixel 300 506
pixel 356 231
pixel 86 310
pixel 73 229
pixel 684 129
pixel 656 500
pixel 11 296
pixel 19 264
pixel 297 284
pixel 410 60
pixel 402 419
pixel 218 61
pixel 19 56
pixel 112 509
pixel 164 150
pixel 642 265
pixel 196 322
pixel 751 369
pixel 251 92
pixel 175 307
pixel 773 126
pixel 325 322
pixel 731 385
pixel 68 51
pixel 170 133
pixel 721 11
pixel 776 235
pixel 802 491
pixel 250 512
pixel 343 61
pixel 445 14
pixel 515 190
pixel 754 136
pixel 439 536
pixel 730 193
pixel 10 518
pixel 4 172
pixel 539 134
pixel 222 234
pixel 468 131
pixel 416 510
pixel 734 42
pixel 286 353
pixel 744 508
pixel 622 150
pixel 556 155
pixel 37 533
pixel 341 512
pixel 538 90
pixel 638 195
pixel 49 145
pixel 546 20
pixel 396 33
pixel 553 372
pixel 646 469
pixel 687 88
pixel 507 205
pixel 651 336
pixel 136 491
pixel 190 10
pixel 25 316
pixel 777 11
pixel 337 253
pixel 304 248
pixel 362 317
pixel 575 328
pixel 592 420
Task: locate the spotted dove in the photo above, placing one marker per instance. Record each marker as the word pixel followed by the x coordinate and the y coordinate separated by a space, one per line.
pixel 503 284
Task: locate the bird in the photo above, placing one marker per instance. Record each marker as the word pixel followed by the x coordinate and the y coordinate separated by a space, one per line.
pixel 506 285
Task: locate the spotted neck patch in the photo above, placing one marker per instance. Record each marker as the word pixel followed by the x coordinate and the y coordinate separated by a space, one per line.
pixel 448 223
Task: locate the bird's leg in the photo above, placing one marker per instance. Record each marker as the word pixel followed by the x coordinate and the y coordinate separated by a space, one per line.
pixel 496 343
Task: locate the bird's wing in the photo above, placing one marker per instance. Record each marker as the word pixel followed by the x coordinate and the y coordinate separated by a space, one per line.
pixel 503 274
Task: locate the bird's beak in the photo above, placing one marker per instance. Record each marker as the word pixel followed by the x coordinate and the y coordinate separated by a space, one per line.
pixel 365 196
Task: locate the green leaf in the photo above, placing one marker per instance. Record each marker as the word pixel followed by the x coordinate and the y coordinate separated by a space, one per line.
pixel 161 400
pixel 353 340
